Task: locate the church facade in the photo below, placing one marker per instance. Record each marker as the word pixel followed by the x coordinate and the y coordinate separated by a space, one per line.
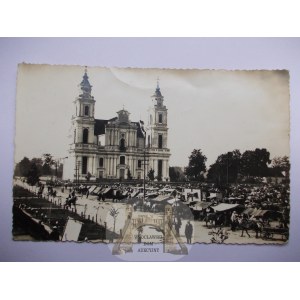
pixel 117 148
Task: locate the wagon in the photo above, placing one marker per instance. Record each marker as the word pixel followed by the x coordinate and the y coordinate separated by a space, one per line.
pixel 269 232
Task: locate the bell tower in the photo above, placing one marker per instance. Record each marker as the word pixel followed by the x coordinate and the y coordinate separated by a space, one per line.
pixel 158 121
pixel 158 136
pixel 84 143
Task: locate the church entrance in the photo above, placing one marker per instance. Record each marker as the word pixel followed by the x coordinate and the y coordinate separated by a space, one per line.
pixel 122 174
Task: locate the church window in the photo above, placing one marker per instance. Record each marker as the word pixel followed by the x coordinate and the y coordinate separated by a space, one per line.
pixel 85 136
pixel 122 160
pixel 160 118
pixel 101 162
pixel 84 165
pixel 160 141
pixel 86 110
pixel 139 164
pixel 122 143
pixel 74 136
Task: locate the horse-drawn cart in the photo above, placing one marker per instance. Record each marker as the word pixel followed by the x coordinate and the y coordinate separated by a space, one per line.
pixel 269 232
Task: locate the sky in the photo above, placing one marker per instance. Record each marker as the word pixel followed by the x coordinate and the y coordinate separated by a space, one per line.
pixel 213 110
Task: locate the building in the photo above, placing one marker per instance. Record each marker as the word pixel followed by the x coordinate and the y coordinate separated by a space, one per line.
pixel 117 148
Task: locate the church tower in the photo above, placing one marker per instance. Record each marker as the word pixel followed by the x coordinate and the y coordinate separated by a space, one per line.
pixel 84 145
pixel 158 136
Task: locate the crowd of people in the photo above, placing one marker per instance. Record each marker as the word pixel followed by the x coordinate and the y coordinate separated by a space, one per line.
pixel 261 203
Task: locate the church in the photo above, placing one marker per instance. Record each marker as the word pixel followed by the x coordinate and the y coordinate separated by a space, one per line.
pixel 117 148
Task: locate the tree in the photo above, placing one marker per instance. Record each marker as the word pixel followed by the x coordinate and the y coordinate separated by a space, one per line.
pixel 196 167
pixel 114 213
pixel 151 174
pixel 22 168
pixel 226 168
pixel 280 166
pixel 255 163
pixel 33 174
pixel 48 159
pixel 48 163
pixel 46 170
pixel 281 163
pixel 39 164
pixel 176 174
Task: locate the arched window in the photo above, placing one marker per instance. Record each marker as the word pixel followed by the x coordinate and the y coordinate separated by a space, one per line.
pixel 160 141
pixel 122 160
pixel 101 162
pixel 148 140
pixel 160 118
pixel 85 136
pixel 122 144
pixel 139 164
pixel 86 110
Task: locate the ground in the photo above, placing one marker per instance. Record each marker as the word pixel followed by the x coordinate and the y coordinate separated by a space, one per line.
pixel 99 212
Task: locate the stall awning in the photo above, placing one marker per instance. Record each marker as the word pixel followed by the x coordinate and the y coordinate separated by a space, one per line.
pixel 201 205
pixel 97 190
pixel 161 198
pixel 92 188
pixel 224 206
pixel 106 190
pixel 249 211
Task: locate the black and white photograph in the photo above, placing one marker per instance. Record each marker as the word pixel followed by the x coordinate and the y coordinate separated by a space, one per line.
pixel 135 157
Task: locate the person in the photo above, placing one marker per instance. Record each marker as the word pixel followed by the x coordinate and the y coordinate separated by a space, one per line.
pixel 189 232
pixel 244 223
pixel 245 218
pixel 87 194
pixel 234 219
pixel 177 225
pixel 139 237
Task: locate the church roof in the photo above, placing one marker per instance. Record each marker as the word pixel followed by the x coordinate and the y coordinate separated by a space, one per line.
pixel 85 80
pixel 100 125
pixel 157 93
pixel 99 128
pixel 85 84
